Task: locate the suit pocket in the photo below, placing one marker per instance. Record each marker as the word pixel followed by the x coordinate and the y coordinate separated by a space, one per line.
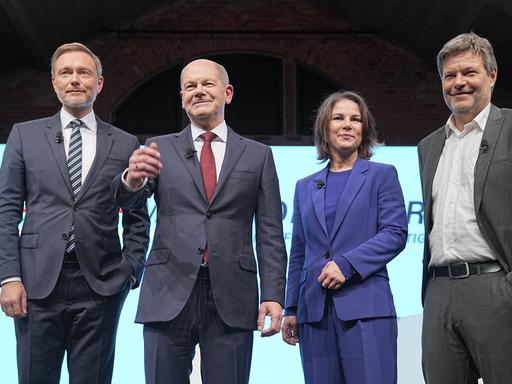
pixel 243 174
pixel 29 240
pixel 247 263
pixel 158 256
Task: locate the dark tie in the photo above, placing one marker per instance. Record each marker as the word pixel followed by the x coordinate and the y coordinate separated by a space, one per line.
pixel 75 171
pixel 208 169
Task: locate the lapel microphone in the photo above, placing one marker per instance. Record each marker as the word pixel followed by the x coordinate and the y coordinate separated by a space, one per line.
pixel 320 184
pixel 59 138
pixel 189 153
pixel 484 146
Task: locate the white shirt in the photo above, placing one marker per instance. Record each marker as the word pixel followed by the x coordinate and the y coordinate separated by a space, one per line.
pixel 89 132
pixel 218 144
pixel 455 235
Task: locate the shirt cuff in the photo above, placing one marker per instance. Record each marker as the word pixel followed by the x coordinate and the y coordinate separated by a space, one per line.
pixel 10 280
pixel 127 187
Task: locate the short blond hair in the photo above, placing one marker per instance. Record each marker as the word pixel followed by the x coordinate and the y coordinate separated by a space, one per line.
pixel 75 47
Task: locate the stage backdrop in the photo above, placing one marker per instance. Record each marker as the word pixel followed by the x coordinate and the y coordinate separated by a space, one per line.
pixel 274 361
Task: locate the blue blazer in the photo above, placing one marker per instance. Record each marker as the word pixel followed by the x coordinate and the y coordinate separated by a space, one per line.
pixel 370 229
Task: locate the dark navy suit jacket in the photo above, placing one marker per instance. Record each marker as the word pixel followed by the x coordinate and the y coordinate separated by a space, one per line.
pixel 34 173
pixel 247 191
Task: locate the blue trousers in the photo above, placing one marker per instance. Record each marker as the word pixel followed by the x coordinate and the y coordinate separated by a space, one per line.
pixel 360 351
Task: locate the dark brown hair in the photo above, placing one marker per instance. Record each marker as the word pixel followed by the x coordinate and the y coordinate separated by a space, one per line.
pixel 323 118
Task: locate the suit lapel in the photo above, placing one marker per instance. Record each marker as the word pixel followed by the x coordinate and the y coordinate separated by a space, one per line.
pixel 354 184
pixel 182 143
pixel 491 133
pixel 52 132
pixel 104 141
pixel 318 197
pixel 235 146
pixel 431 161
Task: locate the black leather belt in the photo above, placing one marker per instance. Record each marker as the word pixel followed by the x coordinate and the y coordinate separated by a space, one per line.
pixel 462 270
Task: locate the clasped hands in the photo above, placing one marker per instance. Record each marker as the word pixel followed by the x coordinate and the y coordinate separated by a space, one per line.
pixel 331 276
pixel 143 163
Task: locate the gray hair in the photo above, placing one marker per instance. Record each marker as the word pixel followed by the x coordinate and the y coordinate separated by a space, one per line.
pixel 223 74
pixel 464 42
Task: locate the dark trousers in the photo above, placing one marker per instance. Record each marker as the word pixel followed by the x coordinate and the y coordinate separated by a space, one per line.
pixel 72 319
pixel 169 346
pixel 467 330
pixel 360 351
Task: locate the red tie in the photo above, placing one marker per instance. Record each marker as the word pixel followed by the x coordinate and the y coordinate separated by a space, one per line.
pixel 208 169
pixel 208 164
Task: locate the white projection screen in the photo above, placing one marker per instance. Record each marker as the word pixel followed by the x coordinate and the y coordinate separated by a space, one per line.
pixel 274 361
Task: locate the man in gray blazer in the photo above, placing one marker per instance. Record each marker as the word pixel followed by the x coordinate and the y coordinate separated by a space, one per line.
pixel 201 278
pixel 466 172
pixel 65 277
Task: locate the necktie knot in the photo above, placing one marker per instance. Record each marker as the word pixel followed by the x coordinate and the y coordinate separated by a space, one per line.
pixel 76 123
pixel 208 136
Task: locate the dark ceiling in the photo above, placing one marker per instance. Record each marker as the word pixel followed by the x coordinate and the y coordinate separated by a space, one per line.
pixel 30 30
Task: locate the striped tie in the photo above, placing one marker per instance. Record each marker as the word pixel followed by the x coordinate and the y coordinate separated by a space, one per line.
pixel 75 171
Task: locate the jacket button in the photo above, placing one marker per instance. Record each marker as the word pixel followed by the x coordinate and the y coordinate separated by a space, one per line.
pixel 64 236
pixel 327 254
pixel 200 250
pixel 209 215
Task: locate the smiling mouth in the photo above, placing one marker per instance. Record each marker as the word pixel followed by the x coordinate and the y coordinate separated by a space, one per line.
pixel 461 93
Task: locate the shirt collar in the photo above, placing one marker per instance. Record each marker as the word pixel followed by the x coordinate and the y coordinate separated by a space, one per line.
pixel 220 130
pixel 89 120
pixel 480 120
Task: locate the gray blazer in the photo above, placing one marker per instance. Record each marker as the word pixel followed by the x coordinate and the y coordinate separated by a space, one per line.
pixel 34 172
pixel 493 185
pixel 247 191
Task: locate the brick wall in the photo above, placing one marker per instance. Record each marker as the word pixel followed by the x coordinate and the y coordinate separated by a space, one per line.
pixel 403 92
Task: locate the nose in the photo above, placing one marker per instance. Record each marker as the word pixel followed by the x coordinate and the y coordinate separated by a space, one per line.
pixel 199 89
pixel 460 80
pixel 75 77
pixel 347 125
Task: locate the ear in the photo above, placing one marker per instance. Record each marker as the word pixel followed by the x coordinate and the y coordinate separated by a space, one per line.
pixel 493 76
pixel 53 84
pixel 101 81
pixel 182 101
pixel 229 93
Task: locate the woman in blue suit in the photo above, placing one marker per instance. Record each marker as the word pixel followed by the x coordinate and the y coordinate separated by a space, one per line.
pixel 349 221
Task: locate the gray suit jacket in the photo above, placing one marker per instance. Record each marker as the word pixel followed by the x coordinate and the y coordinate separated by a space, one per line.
pixel 492 190
pixel 34 172
pixel 247 190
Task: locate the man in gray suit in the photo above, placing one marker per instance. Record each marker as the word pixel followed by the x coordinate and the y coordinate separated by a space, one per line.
pixel 466 172
pixel 201 278
pixel 65 277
